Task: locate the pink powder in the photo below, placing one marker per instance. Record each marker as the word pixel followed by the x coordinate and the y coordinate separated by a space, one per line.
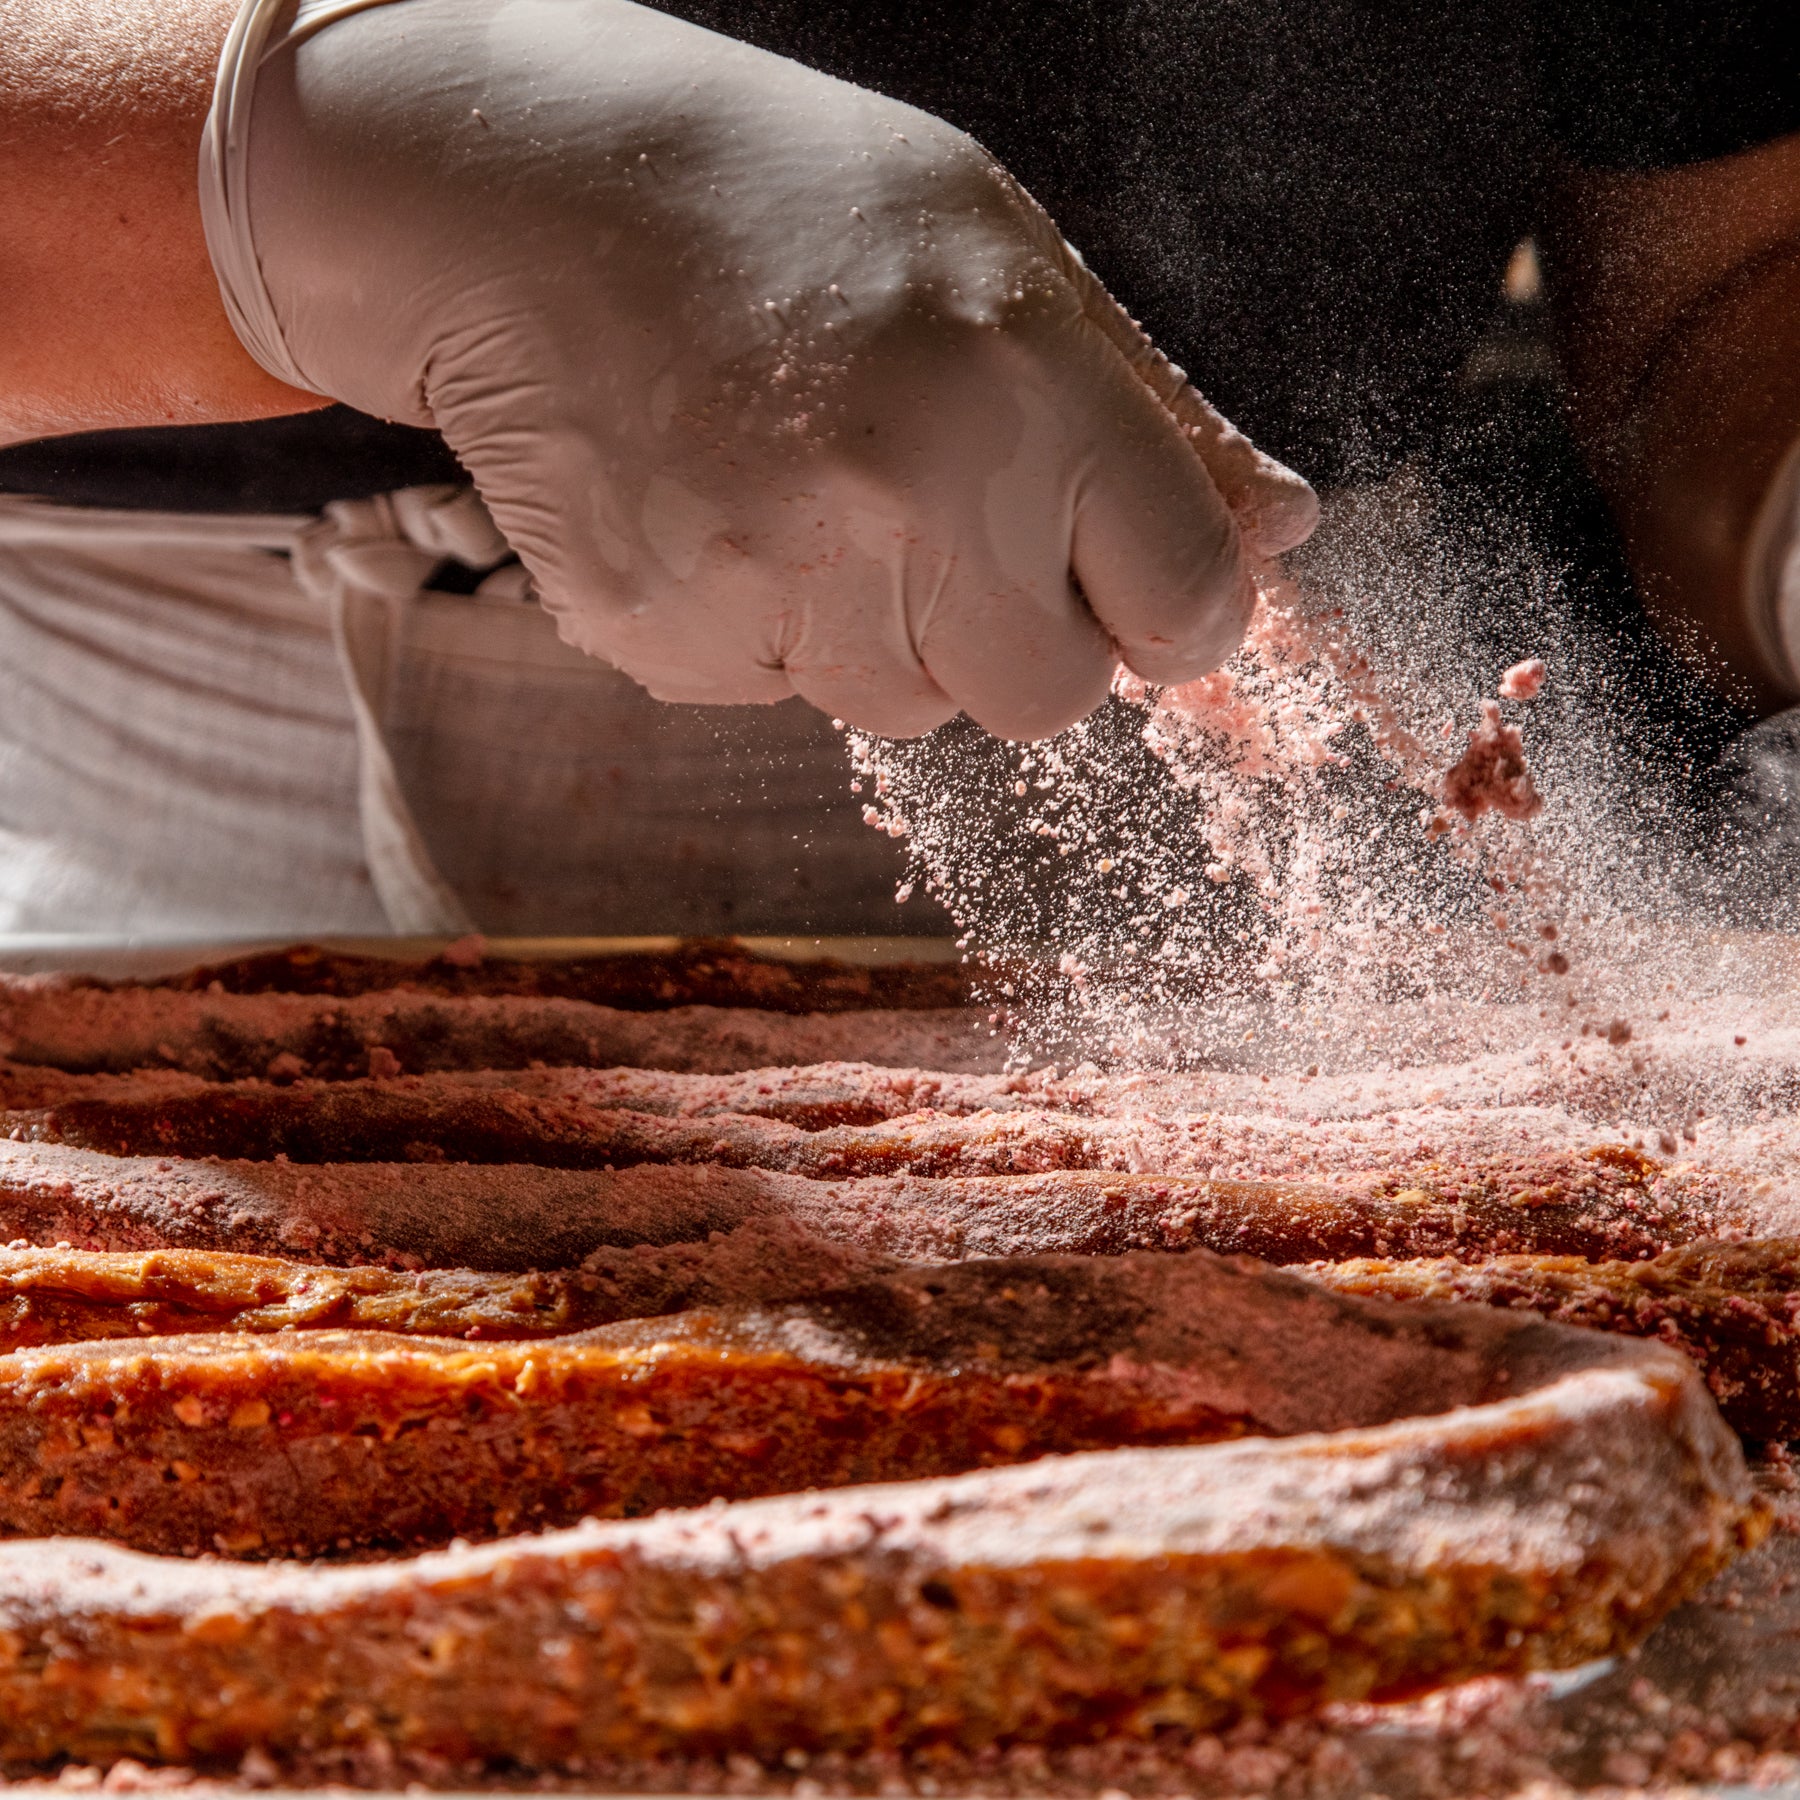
pixel 1492 775
pixel 1523 681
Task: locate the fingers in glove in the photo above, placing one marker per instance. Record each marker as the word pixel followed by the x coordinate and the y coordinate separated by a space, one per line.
pixel 1156 550
pixel 840 629
pixel 1275 508
pixel 1023 657
pixel 856 662
pixel 906 640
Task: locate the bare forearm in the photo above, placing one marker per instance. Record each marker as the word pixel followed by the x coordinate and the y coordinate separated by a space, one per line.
pixel 109 313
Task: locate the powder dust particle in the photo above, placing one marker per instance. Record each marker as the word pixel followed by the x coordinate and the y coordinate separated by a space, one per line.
pixel 1252 838
pixel 1329 864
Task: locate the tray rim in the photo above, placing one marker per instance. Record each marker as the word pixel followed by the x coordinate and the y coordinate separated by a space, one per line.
pixel 125 956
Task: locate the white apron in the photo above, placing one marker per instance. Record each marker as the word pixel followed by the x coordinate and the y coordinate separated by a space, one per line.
pixel 260 725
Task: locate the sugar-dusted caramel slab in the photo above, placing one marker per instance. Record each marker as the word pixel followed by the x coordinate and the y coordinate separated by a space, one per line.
pixel 521 1216
pixel 1733 1307
pixel 306 1442
pixel 1121 1593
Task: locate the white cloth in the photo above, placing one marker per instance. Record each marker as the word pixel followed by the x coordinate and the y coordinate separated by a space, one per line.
pixel 262 725
pixel 367 562
pixel 364 562
pixel 778 386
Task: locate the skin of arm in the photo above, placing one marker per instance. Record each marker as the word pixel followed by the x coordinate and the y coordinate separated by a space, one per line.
pixel 109 311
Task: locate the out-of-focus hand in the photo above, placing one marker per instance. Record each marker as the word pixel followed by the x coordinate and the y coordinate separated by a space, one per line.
pixel 776 385
pixel 1678 295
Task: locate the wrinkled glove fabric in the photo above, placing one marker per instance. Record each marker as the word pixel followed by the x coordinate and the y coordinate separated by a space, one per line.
pixel 776 385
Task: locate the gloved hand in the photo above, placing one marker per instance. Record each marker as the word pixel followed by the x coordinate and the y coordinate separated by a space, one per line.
pixel 776 385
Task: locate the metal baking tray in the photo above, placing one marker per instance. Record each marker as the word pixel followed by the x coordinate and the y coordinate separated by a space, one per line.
pixel 121 958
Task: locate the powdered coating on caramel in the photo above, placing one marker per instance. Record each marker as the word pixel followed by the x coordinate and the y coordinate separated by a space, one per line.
pixel 1733 1308
pixel 698 972
pixel 1457 1160
pixel 515 1216
pixel 233 1035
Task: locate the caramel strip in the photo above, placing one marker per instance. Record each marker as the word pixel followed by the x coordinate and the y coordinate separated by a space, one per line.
pixel 813 1096
pixel 1124 1593
pixel 74 1296
pixel 1733 1307
pixel 515 1216
pixel 703 971
pixel 439 1120
pixel 445 1119
pixel 230 1036
pixel 303 1443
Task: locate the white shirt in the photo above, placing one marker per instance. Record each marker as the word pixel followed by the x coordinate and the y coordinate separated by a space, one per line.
pixel 180 753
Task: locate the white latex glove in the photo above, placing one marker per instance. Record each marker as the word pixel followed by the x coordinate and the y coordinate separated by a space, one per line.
pixel 776 385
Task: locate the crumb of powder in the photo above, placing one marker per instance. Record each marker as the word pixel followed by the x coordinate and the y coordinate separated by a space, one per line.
pixel 1524 680
pixel 466 952
pixel 1492 775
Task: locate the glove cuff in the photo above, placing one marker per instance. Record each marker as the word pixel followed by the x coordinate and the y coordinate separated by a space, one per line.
pixel 261 28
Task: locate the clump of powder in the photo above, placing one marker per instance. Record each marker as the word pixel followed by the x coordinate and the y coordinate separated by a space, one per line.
pixel 1491 775
pixel 1523 681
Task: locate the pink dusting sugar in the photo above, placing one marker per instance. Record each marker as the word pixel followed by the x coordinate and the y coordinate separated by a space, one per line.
pixel 466 952
pixel 1255 743
pixel 1523 681
pixel 1492 775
